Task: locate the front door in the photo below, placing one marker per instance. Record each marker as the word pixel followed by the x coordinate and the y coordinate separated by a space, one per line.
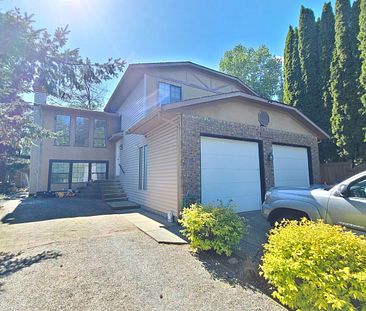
pixel 349 210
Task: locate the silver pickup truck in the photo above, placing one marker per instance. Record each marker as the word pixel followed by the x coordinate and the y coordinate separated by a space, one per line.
pixel 343 204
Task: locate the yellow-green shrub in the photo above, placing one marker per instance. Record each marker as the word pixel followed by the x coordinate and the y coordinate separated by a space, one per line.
pixel 210 227
pixel 315 266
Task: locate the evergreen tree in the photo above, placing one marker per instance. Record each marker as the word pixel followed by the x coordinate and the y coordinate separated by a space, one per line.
pixel 327 148
pixel 288 93
pixel 346 119
pixel 362 49
pixel 326 46
pixel 309 102
pixel 292 69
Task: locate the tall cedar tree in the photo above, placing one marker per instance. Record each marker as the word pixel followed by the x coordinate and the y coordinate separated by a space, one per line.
pixel 346 119
pixel 327 148
pixel 362 49
pixel 309 60
pixel 293 83
pixel 288 83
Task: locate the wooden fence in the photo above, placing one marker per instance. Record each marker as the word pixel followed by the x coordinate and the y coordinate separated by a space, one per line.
pixel 335 172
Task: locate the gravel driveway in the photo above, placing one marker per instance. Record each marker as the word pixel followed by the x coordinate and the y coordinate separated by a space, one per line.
pixel 123 269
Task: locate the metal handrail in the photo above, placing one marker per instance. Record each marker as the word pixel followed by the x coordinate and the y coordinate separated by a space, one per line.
pixel 122 170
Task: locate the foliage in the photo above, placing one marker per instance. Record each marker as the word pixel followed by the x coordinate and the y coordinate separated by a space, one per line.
pixel 331 79
pixel 212 227
pixel 293 83
pixel 315 266
pixel 309 61
pixel 347 120
pixel 259 69
pixel 17 127
pixel 33 58
pixel 362 48
pixel 327 148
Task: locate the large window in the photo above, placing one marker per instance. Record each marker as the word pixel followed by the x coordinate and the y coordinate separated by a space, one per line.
pixel 80 172
pixel 143 167
pixel 60 172
pixel 98 171
pixel 169 93
pixel 100 133
pixel 62 126
pixel 82 132
pixel 69 174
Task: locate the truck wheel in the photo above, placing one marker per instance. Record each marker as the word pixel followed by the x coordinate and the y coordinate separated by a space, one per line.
pixel 286 215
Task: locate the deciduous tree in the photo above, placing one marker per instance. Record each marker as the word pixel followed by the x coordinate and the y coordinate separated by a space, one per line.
pixel 258 68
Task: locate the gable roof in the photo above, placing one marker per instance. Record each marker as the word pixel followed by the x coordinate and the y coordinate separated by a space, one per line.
pixel 135 72
pixel 296 114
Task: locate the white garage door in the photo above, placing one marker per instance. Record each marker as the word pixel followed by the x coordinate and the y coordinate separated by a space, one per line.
pixel 230 171
pixel 291 166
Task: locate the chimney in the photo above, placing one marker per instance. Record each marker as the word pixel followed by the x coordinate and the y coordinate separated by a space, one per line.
pixel 40 94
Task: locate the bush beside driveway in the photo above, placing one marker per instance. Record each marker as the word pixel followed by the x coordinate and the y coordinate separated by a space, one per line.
pixel 118 270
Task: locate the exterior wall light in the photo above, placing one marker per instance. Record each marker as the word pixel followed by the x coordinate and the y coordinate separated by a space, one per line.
pixel 270 157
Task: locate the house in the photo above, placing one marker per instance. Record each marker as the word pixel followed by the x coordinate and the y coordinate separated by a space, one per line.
pixel 177 131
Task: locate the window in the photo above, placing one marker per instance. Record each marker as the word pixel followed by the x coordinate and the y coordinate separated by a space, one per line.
pixel 82 132
pixel 98 171
pixel 62 125
pixel 100 133
pixel 80 172
pixel 169 93
pixel 143 167
pixel 60 172
pixel 358 189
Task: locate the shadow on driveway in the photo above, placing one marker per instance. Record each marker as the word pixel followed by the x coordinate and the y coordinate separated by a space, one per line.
pixel 12 262
pixel 36 209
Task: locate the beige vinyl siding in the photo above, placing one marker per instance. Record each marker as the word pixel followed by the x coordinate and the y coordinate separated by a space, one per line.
pixel 247 113
pixel 194 84
pixel 132 109
pixel 162 170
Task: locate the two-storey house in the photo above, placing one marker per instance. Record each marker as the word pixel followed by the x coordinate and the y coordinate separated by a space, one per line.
pixel 172 132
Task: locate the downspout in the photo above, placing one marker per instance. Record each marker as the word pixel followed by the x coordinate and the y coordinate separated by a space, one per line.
pixel 179 166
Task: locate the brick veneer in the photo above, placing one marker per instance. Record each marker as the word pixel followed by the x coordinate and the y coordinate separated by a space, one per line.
pixel 193 127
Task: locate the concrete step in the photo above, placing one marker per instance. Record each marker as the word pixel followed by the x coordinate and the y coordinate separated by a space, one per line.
pixel 106 182
pixel 124 198
pixel 114 192
pixel 89 190
pixel 110 188
pixel 122 205
pixel 113 195
pixel 89 196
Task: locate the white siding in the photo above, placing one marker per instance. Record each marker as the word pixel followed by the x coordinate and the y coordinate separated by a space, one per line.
pixel 162 170
pixel 132 109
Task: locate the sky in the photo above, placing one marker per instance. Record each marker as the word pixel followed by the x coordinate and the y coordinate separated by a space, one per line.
pixel 167 30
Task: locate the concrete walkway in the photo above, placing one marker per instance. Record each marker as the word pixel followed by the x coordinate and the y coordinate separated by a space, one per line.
pixel 153 228
pixel 256 236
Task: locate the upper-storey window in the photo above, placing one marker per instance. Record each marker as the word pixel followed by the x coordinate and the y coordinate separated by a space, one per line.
pixel 100 133
pixel 82 132
pixel 63 127
pixel 169 93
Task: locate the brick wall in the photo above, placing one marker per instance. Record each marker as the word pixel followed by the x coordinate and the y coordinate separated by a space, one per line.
pixel 192 127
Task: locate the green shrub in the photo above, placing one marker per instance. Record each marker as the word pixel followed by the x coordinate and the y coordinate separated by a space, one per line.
pixel 315 266
pixel 211 227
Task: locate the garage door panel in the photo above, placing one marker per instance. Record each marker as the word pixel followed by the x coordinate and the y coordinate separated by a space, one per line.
pixel 231 189
pixel 230 172
pixel 228 175
pixel 291 166
pixel 228 162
